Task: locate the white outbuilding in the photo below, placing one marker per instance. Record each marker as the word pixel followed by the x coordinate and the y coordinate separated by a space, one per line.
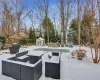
pixel 40 42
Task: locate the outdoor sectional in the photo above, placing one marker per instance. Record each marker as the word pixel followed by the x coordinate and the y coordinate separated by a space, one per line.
pixel 21 68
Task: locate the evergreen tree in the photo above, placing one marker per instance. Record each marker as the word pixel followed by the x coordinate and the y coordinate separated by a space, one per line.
pixel 50 28
pixel 23 41
pixel 32 36
pixel 52 36
pixel 73 32
pixel 86 25
pixel 3 40
pixel 57 37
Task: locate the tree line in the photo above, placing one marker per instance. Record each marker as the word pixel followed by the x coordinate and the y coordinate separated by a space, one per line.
pixel 84 26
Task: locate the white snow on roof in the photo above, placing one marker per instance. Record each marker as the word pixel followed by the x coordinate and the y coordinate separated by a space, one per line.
pixel 40 38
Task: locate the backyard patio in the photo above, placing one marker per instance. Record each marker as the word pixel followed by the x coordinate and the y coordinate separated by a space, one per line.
pixel 70 68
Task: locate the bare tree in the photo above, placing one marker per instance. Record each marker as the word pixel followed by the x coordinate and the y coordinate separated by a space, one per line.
pixel 40 17
pixel 43 6
pixel 91 29
pixel 8 19
pixel 64 8
pixel 31 18
pixel 13 14
pixel 18 12
pixel 98 5
pixel 62 13
pixel 67 16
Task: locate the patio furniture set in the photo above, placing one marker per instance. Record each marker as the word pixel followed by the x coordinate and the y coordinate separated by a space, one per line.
pixel 27 65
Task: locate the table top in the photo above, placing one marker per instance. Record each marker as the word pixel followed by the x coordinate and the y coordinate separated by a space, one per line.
pixel 35 53
pixel 22 57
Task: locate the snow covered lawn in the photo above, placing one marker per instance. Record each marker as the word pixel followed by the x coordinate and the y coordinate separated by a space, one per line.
pixel 71 68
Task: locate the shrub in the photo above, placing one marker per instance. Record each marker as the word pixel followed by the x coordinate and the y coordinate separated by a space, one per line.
pixel 23 41
pixel 3 40
pixel 80 54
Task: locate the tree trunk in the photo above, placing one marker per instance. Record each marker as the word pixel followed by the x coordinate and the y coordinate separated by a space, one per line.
pixel 18 31
pixel 78 22
pixel 96 60
pixel 62 21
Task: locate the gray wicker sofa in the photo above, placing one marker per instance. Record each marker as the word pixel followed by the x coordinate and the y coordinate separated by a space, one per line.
pixel 22 69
